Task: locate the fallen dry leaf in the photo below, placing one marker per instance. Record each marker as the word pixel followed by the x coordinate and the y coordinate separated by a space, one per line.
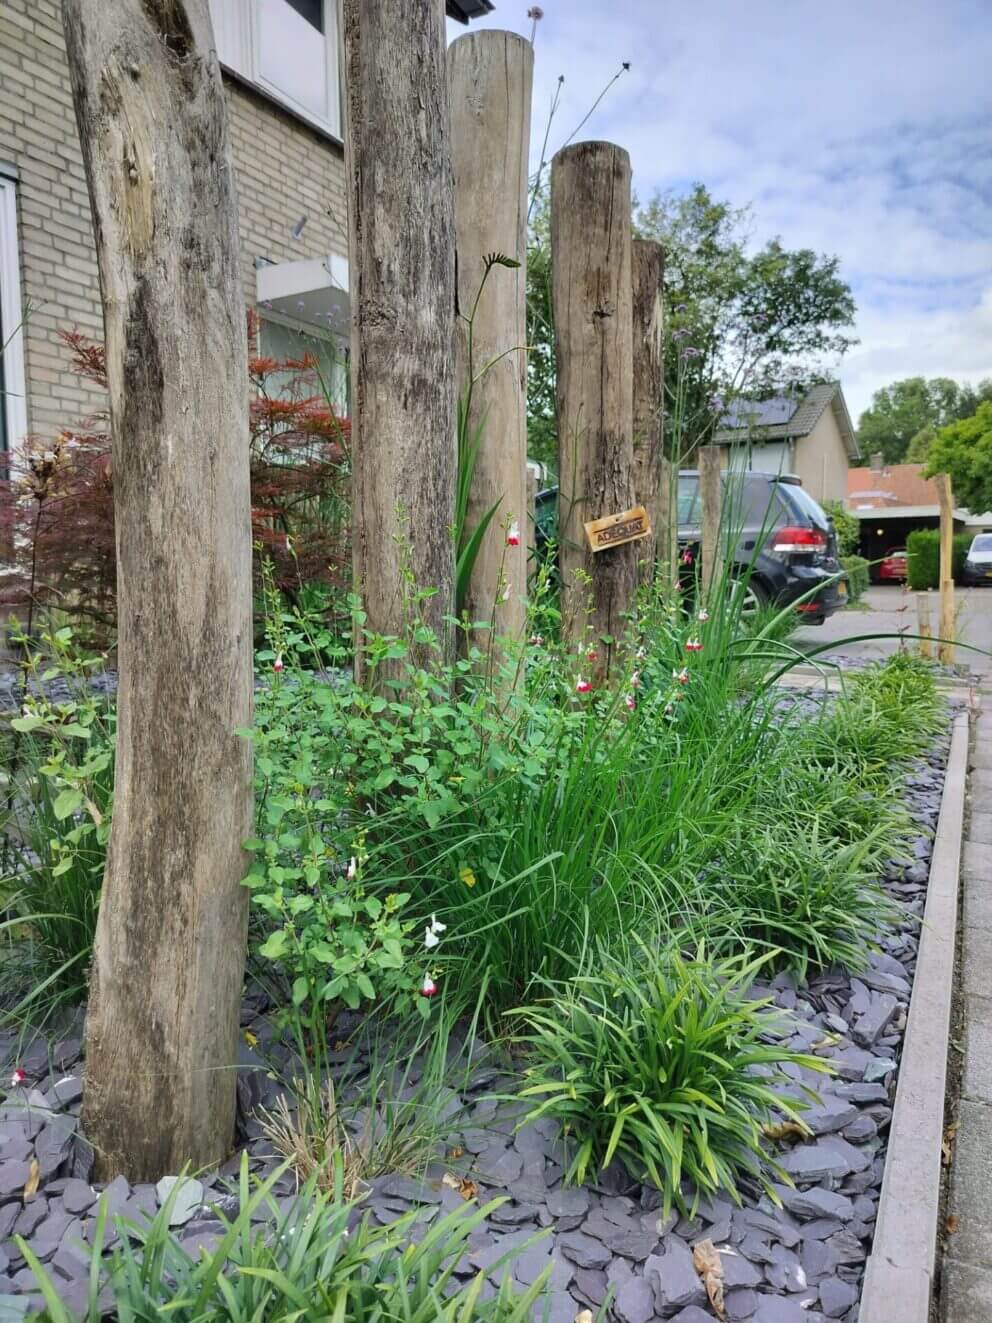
pixel 31 1188
pixel 951 1224
pixel 456 1152
pixel 584 1316
pixel 466 1188
pixel 947 1144
pixel 707 1262
pixel 785 1130
pixel 830 1040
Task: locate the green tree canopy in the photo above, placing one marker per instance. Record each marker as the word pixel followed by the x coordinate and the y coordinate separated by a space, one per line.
pixel 902 419
pixel 755 322
pixel 963 449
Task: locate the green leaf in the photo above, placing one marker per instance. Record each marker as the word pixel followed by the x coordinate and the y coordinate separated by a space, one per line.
pixel 67 802
pixel 301 990
pixel 274 945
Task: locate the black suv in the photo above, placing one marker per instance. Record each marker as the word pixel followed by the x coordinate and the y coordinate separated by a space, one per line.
pixel 785 543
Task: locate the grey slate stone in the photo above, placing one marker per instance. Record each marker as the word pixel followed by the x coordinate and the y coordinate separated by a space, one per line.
pixel 634 1302
pixel 737 1271
pixel 77 1196
pixel 870 1027
pixel 740 1304
pixel 583 1250
pixel 780 1309
pixel 833 1114
pixel 836 1297
pixel 13 1178
pixel 674 1277
pixel 569 1201
pixel 497 1165
pixel 816 1202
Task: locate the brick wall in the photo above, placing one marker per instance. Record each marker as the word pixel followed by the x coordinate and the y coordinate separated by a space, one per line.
pixel 284 170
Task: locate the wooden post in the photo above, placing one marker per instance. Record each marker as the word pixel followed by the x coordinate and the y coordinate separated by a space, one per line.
pixel 923 624
pixel 402 252
pixel 490 77
pixel 711 498
pixel 948 624
pixel 530 524
pixel 667 539
pixel 647 264
pixel 169 953
pixel 592 296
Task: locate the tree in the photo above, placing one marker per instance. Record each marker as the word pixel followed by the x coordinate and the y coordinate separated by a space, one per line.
pixel 903 417
pixel 963 449
pixel 740 323
pixel 735 322
pixel 168 967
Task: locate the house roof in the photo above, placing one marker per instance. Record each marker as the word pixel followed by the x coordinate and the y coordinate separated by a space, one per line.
pixel 890 487
pixel 463 10
pixel 785 418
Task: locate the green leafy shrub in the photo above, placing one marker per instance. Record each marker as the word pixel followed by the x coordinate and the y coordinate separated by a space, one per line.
pixel 847 527
pixel 857 576
pixel 55 824
pixel 661 1063
pixel 923 551
pixel 305 1265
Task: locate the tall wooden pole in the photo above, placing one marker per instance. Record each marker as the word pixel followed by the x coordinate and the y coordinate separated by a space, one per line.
pixel 402 253
pixel 923 624
pixel 592 295
pixel 490 77
pixel 710 491
pixel 168 959
pixel 948 623
pixel 648 264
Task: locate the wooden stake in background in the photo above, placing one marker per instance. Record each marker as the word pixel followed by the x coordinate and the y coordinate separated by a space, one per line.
pixel 710 497
pixel 402 254
pixel 948 623
pixel 924 628
pixel 490 75
pixel 649 394
pixel 592 293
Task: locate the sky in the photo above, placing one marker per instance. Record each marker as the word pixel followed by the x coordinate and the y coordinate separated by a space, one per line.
pixel 861 128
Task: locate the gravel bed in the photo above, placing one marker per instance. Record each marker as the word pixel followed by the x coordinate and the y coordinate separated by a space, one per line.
pixel 802 1263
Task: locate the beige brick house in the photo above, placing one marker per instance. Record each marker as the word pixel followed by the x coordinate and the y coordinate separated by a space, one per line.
pixel 809 435
pixel 281 67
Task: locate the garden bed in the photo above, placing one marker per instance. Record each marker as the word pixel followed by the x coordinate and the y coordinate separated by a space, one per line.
pixel 803 1261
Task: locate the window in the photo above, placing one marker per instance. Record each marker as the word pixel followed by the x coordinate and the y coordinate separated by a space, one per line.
pixel 13 405
pixel 329 378
pixel 286 48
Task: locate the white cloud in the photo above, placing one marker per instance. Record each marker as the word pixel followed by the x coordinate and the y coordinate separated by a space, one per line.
pixel 858 129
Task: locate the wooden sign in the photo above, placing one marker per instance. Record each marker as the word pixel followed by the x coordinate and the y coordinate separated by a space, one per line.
pixel 615 530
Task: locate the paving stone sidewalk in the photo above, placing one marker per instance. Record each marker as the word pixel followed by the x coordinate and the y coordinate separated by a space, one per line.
pixel 966 1288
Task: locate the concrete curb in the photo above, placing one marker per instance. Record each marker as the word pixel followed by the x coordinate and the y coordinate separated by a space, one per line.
pixel 899 1277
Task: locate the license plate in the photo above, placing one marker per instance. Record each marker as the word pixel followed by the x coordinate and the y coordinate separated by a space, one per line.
pixel 988 574
pixel 841 588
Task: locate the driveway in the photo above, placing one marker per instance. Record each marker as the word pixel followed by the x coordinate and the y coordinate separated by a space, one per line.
pixel 892 610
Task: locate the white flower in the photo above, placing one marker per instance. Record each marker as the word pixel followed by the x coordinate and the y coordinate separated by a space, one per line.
pixel 437 927
pixel 352 869
pixel 429 939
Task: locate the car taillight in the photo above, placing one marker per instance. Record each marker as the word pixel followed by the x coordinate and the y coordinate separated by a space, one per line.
pixel 798 541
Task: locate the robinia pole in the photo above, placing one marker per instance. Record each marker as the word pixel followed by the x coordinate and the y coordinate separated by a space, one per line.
pixel 948 621
pixel 168 959
pixel 490 77
pixel 650 489
pixel 592 296
pixel 402 258
pixel 710 493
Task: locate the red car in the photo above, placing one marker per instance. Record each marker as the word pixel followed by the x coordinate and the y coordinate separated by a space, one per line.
pixel 893 568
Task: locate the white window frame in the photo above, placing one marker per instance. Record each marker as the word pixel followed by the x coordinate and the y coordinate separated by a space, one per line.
pixel 14 401
pixel 236 31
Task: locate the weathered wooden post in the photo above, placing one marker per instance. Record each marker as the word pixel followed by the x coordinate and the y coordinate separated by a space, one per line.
pixel 924 627
pixel 948 623
pixel 647 261
pixel 169 952
pixel 402 252
pixel 592 296
pixel 710 496
pixel 490 77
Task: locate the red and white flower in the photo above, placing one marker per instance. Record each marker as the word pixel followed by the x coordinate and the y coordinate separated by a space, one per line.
pixel 582 686
pixel 278 664
pixel 703 616
pixel 17 1078
pixel 352 869
pixel 432 932
pixel 635 680
pixel 513 535
pixel 693 645
pixel 591 654
pixel 687 557
pixel 630 702
pixel 682 676
pixel 428 988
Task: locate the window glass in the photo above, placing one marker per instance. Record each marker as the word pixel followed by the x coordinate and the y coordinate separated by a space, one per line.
pixel 688 489
pixel 982 543
pixel 329 377
pixel 803 504
pixel 292 52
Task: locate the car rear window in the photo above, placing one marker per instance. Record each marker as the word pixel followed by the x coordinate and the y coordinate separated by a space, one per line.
pixel 749 501
pixel 803 504
pixel 983 543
